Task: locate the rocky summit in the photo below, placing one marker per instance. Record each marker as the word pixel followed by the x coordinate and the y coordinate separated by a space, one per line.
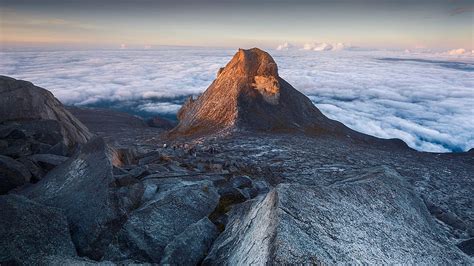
pixel 248 93
pixel 253 174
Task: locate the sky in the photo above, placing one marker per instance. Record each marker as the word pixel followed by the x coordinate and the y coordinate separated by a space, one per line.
pixel 140 24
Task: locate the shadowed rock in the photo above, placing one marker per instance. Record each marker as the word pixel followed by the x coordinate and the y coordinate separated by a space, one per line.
pixel 84 187
pixel 467 246
pixel 12 174
pixel 30 229
pixel 157 222
pixel 160 122
pixel 190 247
pixel 25 104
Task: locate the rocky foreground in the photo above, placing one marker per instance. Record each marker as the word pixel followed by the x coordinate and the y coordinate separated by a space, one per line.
pixel 253 174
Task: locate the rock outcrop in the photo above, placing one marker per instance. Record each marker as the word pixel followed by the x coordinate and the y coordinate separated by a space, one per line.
pixel 85 188
pixel 340 223
pixel 36 133
pixel 249 94
pixel 36 110
pixel 29 229
pixel 12 174
pixel 173 209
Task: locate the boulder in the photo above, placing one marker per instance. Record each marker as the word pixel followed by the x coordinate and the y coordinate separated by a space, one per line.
pixel 17 149
pixel 37 109
pixel 29 229
pixel 47 161
pixel 12 174
pixel 59 149
pixel 191 246
pixel 154 225
pixel 371 216
pixel 36 171
pixel 467 246
pixel 84 187
pixel 241 182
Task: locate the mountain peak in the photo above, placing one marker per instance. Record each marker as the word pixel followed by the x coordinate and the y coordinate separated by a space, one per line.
pixel 249 94
pixel 250 63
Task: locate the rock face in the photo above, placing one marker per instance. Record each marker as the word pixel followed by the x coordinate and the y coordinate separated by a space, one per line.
pixel 85 188
pixel 190 247
pixel 12 174
pixel 37 109
pixel 160 122
pixel 300 224
pixel 29 229
pixel 172 210
pixel 249 94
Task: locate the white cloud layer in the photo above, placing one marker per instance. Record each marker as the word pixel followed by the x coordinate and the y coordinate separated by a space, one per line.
pixel 424 99
pixel 315 46
pixel 460 51
pixel 285 46
pixel 160 108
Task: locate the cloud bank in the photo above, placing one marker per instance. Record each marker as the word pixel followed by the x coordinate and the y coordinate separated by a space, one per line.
pixel 285 46
pixel 424 99
pixel 315 46
pixel 460 51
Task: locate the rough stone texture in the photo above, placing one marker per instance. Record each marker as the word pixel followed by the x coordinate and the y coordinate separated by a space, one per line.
pixel 467 246
pixel 369 216
pixel 65 260
pixel 59 149
pixel 84 187
pixel 191 246
pixel 12 174
pixel 248 93
pixel 160 122
pixel 36 171
pixel 150 228
pixel 248 236
pixel 30 229
pixel 33 104
pixel 48 161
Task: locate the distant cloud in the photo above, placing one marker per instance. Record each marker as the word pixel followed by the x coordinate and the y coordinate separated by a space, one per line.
pixel 461 10
pixel 460 51
pixel 424 99
pixel 317 46
pixel 285 46
pixel 341 46
pixel 457 53
pixel 160 108
pixel 326 47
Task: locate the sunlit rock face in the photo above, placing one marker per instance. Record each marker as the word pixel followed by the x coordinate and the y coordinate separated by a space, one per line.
pixel 249 94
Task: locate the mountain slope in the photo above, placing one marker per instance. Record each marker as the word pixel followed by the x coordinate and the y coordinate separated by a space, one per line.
pixel 248 93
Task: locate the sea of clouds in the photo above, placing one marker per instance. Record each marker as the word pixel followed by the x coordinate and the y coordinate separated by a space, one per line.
pixel 425 99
